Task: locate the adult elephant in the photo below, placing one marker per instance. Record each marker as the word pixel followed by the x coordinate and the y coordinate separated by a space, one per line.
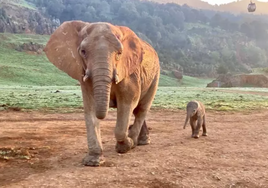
pixel 115 68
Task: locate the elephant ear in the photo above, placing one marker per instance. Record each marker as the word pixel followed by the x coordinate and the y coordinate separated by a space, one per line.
pixel 61 48
pixel 131 56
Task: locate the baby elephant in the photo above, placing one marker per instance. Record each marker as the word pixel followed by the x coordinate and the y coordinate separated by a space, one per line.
pixel 196 112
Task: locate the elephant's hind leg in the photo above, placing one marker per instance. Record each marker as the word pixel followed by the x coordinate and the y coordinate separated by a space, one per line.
pixel 143 138
pixel 139 131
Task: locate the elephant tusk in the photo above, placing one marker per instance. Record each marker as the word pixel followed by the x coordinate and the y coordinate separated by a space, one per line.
pixel 116 79
pixel 117 57
pixel 85 78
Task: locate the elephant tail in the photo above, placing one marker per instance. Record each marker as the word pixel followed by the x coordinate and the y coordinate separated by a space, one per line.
pixel 186 121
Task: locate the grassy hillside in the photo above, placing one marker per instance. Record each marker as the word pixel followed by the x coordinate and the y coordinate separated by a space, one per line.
pixel 23 68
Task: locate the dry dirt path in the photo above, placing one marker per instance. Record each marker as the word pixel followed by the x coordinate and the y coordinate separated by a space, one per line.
pixel 235 153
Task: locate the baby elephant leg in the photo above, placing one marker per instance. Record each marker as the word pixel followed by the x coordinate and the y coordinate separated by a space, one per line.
pixel 204 127
pixel 193 125
pixel 197 129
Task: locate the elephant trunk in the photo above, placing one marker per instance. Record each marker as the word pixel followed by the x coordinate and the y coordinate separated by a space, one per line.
pixel 186 120
pixel 102 81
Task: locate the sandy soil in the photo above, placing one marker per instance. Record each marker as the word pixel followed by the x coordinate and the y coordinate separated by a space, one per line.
pixel 235 153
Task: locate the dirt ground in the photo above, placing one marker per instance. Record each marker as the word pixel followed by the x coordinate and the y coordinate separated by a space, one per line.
pixel 235 153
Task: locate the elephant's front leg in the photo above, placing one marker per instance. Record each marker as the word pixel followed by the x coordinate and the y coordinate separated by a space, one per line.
pixel 94 156
pixel 123 142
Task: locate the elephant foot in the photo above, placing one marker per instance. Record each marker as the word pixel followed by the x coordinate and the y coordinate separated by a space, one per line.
pixel 93 160
pixel 195 136
pixel 144 140
pixel 124 146
pixel 205 134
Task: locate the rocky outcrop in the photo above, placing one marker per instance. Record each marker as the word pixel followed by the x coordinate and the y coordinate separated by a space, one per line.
pixel 243 80
pixel 31 47
pixel 177 74
pixel 19 19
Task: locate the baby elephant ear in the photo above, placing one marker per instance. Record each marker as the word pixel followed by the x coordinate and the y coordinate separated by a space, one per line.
pixel 61 48
pixel 131 56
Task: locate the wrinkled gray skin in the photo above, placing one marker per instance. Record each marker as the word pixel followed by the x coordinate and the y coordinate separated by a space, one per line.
pixel 115 69
pixel 196 113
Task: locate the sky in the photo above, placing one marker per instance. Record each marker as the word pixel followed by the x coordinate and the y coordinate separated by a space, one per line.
pixel 213 2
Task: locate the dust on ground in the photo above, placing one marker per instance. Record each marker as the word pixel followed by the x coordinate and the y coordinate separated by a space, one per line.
pixel 45 150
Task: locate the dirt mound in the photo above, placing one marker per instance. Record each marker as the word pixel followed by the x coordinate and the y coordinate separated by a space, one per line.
pixel 18 19
pixel 243 80
pixel 30 47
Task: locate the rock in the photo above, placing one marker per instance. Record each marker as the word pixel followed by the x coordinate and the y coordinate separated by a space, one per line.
pixel 214 83
pixel 177 74
pixel 32 47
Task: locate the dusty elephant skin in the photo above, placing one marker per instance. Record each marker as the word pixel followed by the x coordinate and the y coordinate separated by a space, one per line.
pixel 115 69
pixel 197 114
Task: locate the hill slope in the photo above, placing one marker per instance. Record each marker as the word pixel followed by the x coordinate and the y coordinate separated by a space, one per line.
pixel 27 67
pixel 30 68
pixel 20 16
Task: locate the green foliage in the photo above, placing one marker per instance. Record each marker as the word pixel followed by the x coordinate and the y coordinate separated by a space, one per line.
pixel 222 69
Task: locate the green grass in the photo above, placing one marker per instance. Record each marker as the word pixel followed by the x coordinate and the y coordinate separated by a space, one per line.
pixel 214 99
pixel 16 39
pixel 37 98
pixel 168 81
pixel 69 97
pixel 187 81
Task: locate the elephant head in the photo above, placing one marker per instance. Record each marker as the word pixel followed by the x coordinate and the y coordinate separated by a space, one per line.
pixel 100 53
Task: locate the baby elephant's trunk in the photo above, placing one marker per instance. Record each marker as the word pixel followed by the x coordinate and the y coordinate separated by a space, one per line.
pixel 186 121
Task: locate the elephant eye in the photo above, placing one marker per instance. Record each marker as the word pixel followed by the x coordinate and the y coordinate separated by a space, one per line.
pixel 117 55
pixel 83 52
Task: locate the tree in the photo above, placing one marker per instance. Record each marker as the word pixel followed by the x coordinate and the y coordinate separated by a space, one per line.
pixel 222 69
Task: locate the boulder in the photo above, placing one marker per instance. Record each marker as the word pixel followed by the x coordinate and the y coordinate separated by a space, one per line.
pixel 177 74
